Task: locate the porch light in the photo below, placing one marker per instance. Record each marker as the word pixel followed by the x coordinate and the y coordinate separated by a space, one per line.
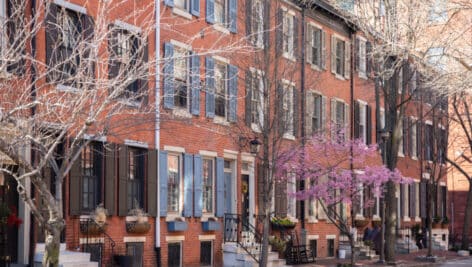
pixel 254 146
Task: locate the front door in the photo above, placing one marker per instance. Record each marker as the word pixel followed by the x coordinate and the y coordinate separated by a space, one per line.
pixel 228 193
pixel 9 233
pixel 245 200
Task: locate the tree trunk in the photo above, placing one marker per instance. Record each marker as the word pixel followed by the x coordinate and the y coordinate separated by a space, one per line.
pixel 53 243
pixel 353 253
pixel 390 219
pixel 467 218
pixel 430 221
pixel 265 242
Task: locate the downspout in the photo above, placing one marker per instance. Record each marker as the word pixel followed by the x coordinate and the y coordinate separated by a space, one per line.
pixel 302 124
pixel 157 33
pixel 352 37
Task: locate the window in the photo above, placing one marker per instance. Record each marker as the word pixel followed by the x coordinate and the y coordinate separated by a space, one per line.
pixel 339 119
pixel 442 145
pixel 314 247
pixel 182 4
pixel 136 250
pixel 220 11
pixel 174 254
pixel 288 109
pixel 428 142
pixel 91 166
pixel 69 35
pixel 257 116
pixel 413 138
pixel 257 23
pixel 438 11
pixel 331 248
pixel 340 57
pixel 435 57
pixel 288 34
pixel 291 201
pixel 208 185
pixel 181 77
pixel 174 182
pixel 315 48
pixel 362 121
pixel 206 252
pixel 136 166
pixel 220 90
pixel 362 58
pixel 316 109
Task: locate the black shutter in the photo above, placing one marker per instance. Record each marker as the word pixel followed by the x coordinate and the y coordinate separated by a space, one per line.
pixel 74 185
pixel 356 119
pixel 369 58
pixel 296 112
pixel 52 34
pixel 16 36
pixel 356 54
pixel 143 90
pixel 123 181
pixel 110 182
pixel 412 200
pixel 113 63
pixel 87 35
pixel 279 108
pixel 260 188
pixel 369 124
pixel 248 103
pixel 151 183
pixel 249 18
pixel 405 135
pixel 419 141
pixel 423 192
pixel 406 77
pixel 402 200
pixel 279 35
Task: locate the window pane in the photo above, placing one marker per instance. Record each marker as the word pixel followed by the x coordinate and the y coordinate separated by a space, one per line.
pixel 174 254
pixel 220 11
pixel 220 86
pixel 173 183
pixel 208 185
pixel 205 253
pixel 135 250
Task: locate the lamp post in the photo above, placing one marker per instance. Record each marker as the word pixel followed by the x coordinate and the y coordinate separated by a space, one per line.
pixel 385 135
pixel 254 146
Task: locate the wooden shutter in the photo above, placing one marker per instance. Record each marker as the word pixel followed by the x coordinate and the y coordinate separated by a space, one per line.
pixel 406 150
pixel 296 116
pixel 198 186
pixel 369 58
pixel 333 54
pixel 123 181
pixel 74 184
pixel 309 43
pixel 163 175
pixel 195 83
pixel 279 35
pixel 168 75
pixel 260 187
pixel 210 87
pixel 423 192
pixel 248 99
pixel 323 113
pixel 347 60
pixel 188 185
pixel 233 11
pixel 323 50
pixel 310 109
pixel 195 7
pixel 16 36
pixel 249 18
pixel 233 92
pixel 412 199
pixel 151 183
pixel 357 54
pixel 357 119
pixel 402 199
pixel 333 119
pixel 368 115
pixel 110 178
pixel 280 113
pixel 143 88
pixel 113 63
pixel 419 141
pixel 210 11
pixel 295 37
pixel 347 135
pixel 281 199
pixel 220 188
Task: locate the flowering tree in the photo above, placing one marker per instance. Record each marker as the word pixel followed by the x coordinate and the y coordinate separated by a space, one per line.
pixel 336 173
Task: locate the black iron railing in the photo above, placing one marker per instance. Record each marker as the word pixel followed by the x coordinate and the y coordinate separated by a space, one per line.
pixel 97 242
pixel 244 234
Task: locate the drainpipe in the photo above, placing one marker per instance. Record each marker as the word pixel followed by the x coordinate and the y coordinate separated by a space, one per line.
pixel 352 37
pixel 157 33
pixel 302 124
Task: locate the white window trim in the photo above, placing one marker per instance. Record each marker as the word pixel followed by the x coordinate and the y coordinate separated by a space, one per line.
pixel 177 215
pixel 285 54
pixel 174 149
pixel 210 215
pixel 71 6
pixel 175 238
pixel 345 40
pixel 289 85
pixel 135 143
pixel 126 26
pixel 134 239
pixel 255 127
pixel 182 12
pixel 362 74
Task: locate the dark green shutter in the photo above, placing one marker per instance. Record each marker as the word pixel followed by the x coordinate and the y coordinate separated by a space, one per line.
pixel 248 102
pixel 369 124
pixel 16 36
pixel 151 183
pixel 296 112
pixel 123 181
pixel 279 37
pixel 110 178
pixel 356 119
pixel 75 186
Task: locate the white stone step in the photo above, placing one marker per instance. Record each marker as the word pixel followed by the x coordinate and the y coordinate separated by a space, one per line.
pixel 80 264
pixel 40 247
pixel 66 257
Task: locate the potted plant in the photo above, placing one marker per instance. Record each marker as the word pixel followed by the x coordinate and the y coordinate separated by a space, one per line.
pixel 436 222
pixel 96 224
pixel 282 223
pixel 138 221
pixel 361 222
pixel 278 245
pixel 445 222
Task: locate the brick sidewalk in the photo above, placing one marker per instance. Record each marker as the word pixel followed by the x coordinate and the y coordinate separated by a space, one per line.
pixel 402 260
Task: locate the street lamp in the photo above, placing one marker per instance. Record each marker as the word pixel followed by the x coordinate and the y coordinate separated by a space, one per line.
pixel 385 135
pixel 254 146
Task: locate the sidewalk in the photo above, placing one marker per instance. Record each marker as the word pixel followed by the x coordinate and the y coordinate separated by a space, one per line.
pixel 401 260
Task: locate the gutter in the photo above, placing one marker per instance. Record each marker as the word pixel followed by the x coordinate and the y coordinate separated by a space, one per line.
pixel 157 33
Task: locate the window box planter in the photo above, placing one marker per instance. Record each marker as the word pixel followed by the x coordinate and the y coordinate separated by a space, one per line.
pixel 279 224
pixel 210 226
pixel 138 227
pixel 361 223
pixel 92 228
pixel 176 226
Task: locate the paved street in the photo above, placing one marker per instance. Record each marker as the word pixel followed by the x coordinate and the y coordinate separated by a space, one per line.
pixel 462 262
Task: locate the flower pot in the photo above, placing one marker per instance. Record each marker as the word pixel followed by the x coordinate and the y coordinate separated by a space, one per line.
pixel 92 228
pixel 445 225
pixel 361 223
pixel 138 227
pixel 436 225
pixel 210 226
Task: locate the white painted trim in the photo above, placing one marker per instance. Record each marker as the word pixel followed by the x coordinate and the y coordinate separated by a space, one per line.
pixel 356 171
pixel 181 12
pixel 176 149
pixel 102 139
pixel 129 239
pixel 311 237
pixel 247 157
pixel 175 238
pixel 330 236
pixel 221 59
pixel 135 143
pixel 92 240
pixel 288 82
pixel 208 216
pixel 362 38
pixel 66 88
pixel 206 237
pixel 127 26
pixel 181 45
pixel 428 122
pixel 230 154
pixel 362 102
pixel 68 5
pixel 316 25
pixel 442 183
pixel 221 28
pixel 207 153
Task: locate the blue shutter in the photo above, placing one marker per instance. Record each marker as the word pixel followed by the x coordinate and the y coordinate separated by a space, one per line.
pixel 168 75
pixel 195 84
pixel 198 192
pixel 188 185
pixel 233 8
pixel 210 87
pixel 163 183
pixel 169 3
pixel 210 11
pixel 220 187
pixel 195 7
pixel 233 92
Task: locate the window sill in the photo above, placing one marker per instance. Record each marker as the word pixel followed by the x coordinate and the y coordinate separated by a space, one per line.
pixel 4 75
pixel 289 56
pixel 208 217
pixel 182 13
pixel 221 120
pixel 401 155
pixel 134 104
pixel 181 112
pixel 417 219
pixel 362 75
pixel 292 219
pixel 255 128
pixel 289 136
pixel 315 67
pixel 376 217
pixel 174 217
pixel 221 28
pixel 339 77
pixel 406 219
pixel 312 220
pixel 414 158
pixel 66 88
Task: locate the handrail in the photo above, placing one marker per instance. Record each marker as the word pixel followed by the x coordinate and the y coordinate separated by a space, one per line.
pixel 87 225
pixel 244 234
